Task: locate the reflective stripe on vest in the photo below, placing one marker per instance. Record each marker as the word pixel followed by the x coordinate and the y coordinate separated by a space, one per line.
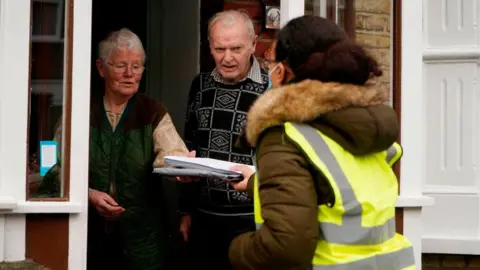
pixel 351 230
pixel 348 239
pixel 399 260
pixel 394 153
pixel 257 208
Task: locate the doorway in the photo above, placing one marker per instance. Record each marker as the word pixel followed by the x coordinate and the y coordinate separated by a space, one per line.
pixel 170 33
pixel 112 15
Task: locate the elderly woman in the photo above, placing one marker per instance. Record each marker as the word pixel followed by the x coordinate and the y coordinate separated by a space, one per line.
pixel 324 192
pixel 130 133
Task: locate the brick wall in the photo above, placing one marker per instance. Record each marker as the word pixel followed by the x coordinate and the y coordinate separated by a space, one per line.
pixel 372 18
pixel 372 29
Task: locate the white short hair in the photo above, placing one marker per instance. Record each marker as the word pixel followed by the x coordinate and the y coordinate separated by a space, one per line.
pixel 118 39
pixel 231 17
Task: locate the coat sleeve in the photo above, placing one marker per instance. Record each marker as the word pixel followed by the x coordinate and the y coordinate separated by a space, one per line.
pixel 289 235
pixel 167 141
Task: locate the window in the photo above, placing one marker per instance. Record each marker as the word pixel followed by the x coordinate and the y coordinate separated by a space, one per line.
pixel 19 82
pixel 368 22
pixel 48 19
pixel 340 11
pixel 49 101
pixel 372 23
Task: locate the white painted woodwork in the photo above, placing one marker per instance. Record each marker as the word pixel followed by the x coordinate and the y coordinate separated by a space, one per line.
pixel 451 56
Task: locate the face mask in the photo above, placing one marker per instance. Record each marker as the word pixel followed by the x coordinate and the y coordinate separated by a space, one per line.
pixel 270 75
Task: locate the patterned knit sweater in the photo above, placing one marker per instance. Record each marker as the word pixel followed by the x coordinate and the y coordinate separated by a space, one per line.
pixel 217 113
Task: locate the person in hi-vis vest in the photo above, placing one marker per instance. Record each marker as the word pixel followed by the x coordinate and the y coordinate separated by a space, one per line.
pixel 324 190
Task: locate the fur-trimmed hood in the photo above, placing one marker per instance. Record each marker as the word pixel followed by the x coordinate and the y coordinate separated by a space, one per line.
pixel 352 109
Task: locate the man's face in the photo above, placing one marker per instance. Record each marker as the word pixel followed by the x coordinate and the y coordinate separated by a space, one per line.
pixel 232 48
pixel 122 71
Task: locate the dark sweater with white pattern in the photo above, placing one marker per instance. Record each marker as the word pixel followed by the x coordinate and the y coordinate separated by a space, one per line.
pixel 216 116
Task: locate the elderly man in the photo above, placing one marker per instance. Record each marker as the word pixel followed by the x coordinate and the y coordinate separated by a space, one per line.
pixel 217 112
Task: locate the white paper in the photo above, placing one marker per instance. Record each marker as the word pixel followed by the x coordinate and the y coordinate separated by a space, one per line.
pixel 210 162
pixel 49 155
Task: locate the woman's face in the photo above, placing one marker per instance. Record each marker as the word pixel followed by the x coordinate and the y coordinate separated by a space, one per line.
pixel 122 71
pixel 278 71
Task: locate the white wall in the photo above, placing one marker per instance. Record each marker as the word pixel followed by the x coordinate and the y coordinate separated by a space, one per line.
pixel 14 59
pixel 413 126
pixel 451 62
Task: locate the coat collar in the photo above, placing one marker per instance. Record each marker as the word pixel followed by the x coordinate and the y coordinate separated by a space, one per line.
pixel 305 101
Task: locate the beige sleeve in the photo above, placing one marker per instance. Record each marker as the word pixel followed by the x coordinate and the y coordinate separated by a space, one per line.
pixel 167 141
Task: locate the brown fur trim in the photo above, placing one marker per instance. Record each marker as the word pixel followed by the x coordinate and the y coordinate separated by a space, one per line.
pixel 306 101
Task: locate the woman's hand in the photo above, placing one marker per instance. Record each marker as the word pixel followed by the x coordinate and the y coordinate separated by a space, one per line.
pixel 187 179
pixel 185 225
pixel 246 172
pixel 105 205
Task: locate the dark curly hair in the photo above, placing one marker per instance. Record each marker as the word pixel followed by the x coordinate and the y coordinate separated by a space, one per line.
pixel 318 49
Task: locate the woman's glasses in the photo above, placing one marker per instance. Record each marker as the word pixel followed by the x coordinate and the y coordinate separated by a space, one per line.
pixel 121 68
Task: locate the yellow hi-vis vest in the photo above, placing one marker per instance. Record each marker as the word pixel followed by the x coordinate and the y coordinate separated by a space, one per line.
pixel 358 231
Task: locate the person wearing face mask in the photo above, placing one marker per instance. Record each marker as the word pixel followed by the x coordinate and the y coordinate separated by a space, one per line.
pixel 323 139
pixel 216 115
pixel 277 74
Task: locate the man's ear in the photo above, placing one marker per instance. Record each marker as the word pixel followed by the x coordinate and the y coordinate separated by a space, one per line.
pixel 100 66
pixel 254 43
pixel 211 48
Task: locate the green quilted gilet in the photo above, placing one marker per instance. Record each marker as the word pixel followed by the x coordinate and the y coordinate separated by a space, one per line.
pixel 123 158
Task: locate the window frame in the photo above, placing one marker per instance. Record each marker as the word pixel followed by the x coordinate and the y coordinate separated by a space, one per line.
pixel 331 9
pixel 15 38
pixel 57 37
pixel 67 100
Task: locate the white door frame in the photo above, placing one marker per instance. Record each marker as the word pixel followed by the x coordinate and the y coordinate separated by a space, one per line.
pixel 14 92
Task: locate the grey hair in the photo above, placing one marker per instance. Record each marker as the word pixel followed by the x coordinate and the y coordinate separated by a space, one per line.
pixel 118 39
pixel 229 18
